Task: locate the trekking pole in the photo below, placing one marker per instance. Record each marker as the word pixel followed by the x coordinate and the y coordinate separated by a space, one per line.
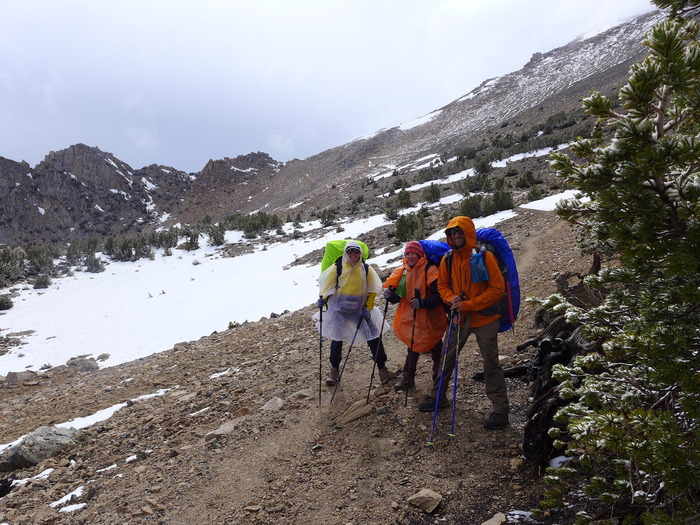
pixel 374 364
pixel 457 350
pixel 454 386
pixel 416 295
pixel 320 351
pixel 442 375
pixel 346 360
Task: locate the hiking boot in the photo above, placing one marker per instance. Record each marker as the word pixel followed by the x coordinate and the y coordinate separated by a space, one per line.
pixel 333 376
pixel 405 383
pixel 385 376
pixel 428 403
pixel 496 421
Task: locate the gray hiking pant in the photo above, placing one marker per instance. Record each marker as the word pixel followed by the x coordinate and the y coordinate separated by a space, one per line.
pixel 494 378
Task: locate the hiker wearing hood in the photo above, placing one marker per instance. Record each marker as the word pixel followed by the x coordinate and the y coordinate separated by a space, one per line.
pixel 420 320
pixel 475 308
pixel 351 313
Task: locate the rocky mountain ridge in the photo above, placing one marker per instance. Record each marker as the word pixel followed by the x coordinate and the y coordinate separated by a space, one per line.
pixel 84 192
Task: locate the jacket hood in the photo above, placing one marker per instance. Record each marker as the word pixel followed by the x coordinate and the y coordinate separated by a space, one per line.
pixel 467 226
pixel 351 244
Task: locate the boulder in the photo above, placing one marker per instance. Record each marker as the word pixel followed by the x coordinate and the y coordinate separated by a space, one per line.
pixel 20 377
pixel 37 446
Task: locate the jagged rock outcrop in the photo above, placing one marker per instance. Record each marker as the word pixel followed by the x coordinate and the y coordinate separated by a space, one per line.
pixel 84 192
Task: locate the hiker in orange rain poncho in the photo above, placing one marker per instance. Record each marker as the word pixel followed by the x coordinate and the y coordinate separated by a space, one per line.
pixel 420 320
pixel 474 306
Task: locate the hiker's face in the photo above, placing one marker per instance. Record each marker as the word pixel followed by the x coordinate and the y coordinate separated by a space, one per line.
pixel 353 255
pixel 458 239
pixel 411 258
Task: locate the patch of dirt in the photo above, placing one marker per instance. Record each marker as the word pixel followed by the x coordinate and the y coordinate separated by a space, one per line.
pixel 239 435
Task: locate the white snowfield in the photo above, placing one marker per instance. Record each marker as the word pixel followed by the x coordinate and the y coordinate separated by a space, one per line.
pixel 133 310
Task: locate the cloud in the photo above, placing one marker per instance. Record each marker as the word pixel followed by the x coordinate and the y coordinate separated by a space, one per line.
pixel 176 82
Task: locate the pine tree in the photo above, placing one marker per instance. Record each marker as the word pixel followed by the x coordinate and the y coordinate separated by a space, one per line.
pixel 632 424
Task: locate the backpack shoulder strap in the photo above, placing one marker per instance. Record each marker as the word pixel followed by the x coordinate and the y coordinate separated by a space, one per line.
pixel 338 270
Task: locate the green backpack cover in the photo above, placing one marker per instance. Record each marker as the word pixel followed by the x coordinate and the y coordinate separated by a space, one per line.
pixel 334 249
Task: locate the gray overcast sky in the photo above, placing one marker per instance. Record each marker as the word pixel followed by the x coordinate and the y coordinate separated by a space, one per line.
pixel 179 82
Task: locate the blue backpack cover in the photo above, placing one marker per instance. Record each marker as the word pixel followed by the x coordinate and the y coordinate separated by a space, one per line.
pixel 434 250
pixel 497 244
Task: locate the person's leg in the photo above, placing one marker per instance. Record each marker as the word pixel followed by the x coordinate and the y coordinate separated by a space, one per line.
pixel 494 378
pixel 458 339
pixel 409 371
pixel 336 353
pixel 409 368
pixel 444 373
pixel 378 354
pixel 435 355
pixel 335 358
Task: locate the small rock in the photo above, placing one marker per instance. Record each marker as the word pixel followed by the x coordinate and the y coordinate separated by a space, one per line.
pixel 224 429
pixel 273 404
pixel 498 519
pixel 83 364
pixel 426 499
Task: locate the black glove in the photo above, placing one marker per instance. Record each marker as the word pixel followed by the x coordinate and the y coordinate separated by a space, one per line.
pixel 321 302
pixel 390 295
pixel 366 314
pixel 417 303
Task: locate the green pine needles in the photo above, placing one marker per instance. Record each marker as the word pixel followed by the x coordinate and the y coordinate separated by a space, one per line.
pixel 634 404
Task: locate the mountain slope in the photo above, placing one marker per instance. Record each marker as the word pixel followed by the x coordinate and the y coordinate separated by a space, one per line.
pixel 84 192
pixel 239 436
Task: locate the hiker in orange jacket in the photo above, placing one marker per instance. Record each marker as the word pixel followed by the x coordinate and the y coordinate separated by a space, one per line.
pixel 475 310
pixel 420 320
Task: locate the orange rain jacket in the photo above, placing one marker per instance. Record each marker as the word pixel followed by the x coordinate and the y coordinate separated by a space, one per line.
pixel 430 322
pixel 477 296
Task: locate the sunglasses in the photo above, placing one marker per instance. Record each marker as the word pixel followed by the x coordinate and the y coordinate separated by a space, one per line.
pixel 352 250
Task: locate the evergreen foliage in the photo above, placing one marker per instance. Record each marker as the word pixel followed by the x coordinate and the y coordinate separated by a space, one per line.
pixel 327 217
pixel 410 227
pixel 432 193
pixel 43 281
pixel 403 199
pixel 39 258
pixel 471 206
pixel 5 302
pixel 11 265
pixel 632 421
pixel 94 264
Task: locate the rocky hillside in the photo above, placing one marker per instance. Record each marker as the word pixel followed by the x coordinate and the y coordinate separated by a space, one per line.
pixel 235 432
pixel 84 192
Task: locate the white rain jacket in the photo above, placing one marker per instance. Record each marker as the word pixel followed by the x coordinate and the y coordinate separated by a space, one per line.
pixel 345 302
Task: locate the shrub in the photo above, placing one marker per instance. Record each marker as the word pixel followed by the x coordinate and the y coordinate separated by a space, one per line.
pixel 432 193
pixel 94 265
pixel 471 206
pixel 403 199
pixel 43 281
pixel 5 302
pixel 410 226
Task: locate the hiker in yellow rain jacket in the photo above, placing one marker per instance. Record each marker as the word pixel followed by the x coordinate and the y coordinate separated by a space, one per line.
pixel 351 314
pixel 420 319
pixel 475 305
